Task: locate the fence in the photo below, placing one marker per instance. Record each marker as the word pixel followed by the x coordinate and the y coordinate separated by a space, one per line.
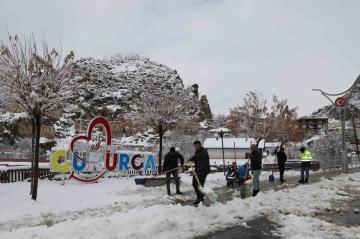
pixel 291 165
pixel 19 175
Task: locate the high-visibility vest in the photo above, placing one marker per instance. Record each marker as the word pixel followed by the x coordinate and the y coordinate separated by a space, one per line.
pixel 306 156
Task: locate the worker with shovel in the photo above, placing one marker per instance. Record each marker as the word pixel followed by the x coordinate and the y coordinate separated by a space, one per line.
pixel 171 167
pixel 202 169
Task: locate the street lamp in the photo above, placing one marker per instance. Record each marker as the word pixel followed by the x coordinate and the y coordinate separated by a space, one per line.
pixel 340 103
pixel 221 132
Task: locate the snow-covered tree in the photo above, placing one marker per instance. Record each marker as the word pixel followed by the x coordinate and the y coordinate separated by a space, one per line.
pixel 328 148
pixel 282 121
pixel 37 80
pixel 258 119
pixel 250 118
pixel 163 111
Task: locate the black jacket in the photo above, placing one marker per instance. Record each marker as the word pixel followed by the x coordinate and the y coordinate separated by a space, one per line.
pixel 172 160
pixel 256 160
pixel 232 172
pixel 281 156
pixel 202 162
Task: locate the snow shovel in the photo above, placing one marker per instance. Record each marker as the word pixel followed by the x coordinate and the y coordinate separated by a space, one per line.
pixel 208 192
pixel 151 181
pixel 271 177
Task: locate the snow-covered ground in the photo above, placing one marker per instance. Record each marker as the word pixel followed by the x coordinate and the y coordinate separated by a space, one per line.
pixel 4 166
pixel 117 208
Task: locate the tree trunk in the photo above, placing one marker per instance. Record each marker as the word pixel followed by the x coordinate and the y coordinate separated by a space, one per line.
pixel 36 156
pixel 32 153
pixel 161 134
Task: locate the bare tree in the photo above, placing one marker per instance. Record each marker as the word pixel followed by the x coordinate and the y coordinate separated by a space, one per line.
pixel 283 124
pixel 37 80
pixel 250 118
pixel 164 111
pixel 258 119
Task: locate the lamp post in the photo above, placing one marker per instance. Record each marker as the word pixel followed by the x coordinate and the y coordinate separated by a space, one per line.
pixel 221 132
pixel 340 103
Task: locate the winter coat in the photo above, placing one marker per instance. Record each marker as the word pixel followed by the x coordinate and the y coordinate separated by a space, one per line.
pixel 231 172
pixel 281 156
pixel 306 156
pixel 243 174
pixel 256 160
pixel 202 162
pixel 172 160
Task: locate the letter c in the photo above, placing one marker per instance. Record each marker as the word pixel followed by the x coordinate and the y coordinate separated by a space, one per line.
pixel 55 164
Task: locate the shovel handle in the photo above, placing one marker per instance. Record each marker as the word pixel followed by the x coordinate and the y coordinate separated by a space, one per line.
pixel 165 172
pixel 196 176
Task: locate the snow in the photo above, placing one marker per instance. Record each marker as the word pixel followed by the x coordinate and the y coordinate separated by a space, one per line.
pixel 272 144
pixel 117 208
pixel 12 117
pixel 240 143
pixel 219 130
pixel 5 166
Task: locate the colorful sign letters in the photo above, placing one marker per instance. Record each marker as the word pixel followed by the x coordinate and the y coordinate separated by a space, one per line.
pixel 87 155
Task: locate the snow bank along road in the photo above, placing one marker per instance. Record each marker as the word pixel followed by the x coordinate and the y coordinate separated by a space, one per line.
pixel 117 208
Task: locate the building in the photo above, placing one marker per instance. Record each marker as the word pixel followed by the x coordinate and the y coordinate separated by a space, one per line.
pixel 313 125
pixel 271 146
pixel 234 148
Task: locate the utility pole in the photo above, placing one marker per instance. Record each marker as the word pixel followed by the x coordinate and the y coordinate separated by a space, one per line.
pixel 355 136
pixel 223 151
pixel 344 153
pixel 221 132
pixel 235 152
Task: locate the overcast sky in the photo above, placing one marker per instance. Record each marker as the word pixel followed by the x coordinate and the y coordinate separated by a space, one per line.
pixel 227 47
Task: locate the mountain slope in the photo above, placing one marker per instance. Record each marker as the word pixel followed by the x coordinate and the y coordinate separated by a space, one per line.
pixel 353 103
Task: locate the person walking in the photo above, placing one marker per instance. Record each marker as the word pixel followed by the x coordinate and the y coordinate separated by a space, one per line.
pixel 171 163
pixel 281 157
pixel 256 167
pixel 202 169
pixel 306 159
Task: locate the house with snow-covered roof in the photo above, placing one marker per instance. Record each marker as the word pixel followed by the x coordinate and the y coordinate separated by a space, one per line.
pixel 234 148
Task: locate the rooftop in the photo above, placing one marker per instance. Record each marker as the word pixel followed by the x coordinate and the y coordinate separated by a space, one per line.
pixel 240 143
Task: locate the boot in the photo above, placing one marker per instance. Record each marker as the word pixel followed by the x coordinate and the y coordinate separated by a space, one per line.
pixel 197 202
pixel 301 181
pixel 255 192
pixel 179 193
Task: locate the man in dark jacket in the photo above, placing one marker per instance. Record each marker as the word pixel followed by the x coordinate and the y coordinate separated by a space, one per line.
pixel 281 158
pixel 202 169
pixel 170 166
pixel 256 167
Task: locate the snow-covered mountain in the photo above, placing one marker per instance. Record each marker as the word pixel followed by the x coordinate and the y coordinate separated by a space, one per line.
pixel 114 85
pixel 353 99
pixel 110 87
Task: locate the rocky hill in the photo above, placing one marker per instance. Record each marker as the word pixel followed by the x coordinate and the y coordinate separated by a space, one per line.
pixel 112 87
pixel 353 99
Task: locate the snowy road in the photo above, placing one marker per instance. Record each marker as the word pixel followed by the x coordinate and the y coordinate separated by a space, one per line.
pixel 117 208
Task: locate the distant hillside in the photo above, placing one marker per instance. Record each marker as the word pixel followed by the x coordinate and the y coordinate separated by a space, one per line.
pixel 353 98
